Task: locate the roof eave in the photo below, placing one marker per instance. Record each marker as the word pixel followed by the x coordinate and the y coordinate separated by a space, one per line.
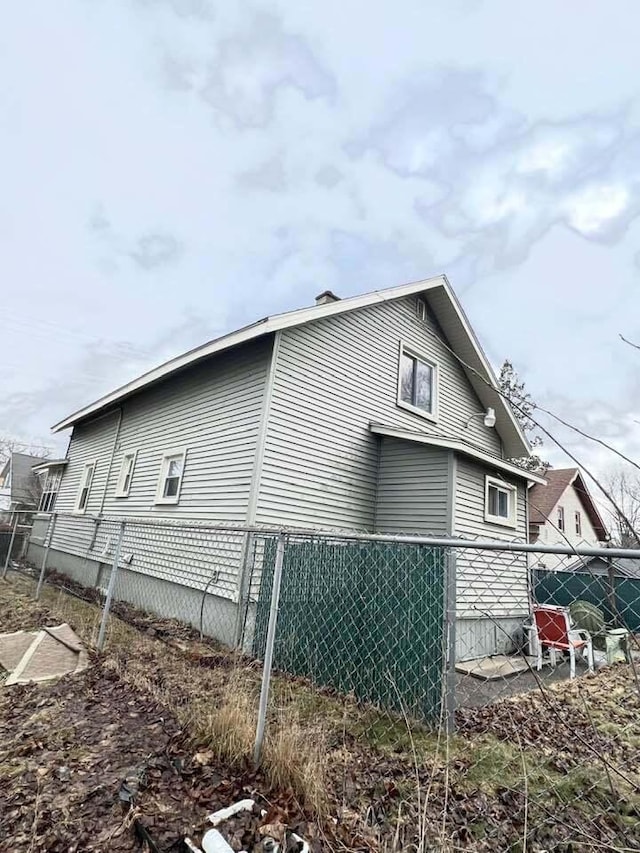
pixel 457 446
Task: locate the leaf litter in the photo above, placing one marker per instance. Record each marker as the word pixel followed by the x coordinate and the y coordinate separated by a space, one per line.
pixel 98 761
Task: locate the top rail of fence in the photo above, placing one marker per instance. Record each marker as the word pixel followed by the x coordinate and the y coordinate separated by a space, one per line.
pixel 513 546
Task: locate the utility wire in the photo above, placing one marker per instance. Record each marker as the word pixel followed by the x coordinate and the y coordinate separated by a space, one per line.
pixel 549 435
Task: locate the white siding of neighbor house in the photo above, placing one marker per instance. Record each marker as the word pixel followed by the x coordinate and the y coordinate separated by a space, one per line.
pixel 412 489
pixel 332 378
pixel 550 535
pixel 489 585
pixel 214 412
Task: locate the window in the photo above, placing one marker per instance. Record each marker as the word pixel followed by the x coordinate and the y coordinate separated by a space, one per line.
pixel 85 486
pixel 500 502
pixel 50 486
pixel 421 310
pixel 126 475
pixel 417 384
pixel 578 524
pixel 560 518
pixel 168 491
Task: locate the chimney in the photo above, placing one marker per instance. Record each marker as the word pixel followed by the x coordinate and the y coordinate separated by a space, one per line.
pixel 326 296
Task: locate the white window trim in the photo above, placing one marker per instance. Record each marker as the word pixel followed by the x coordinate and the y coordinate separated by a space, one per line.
pixel 513 502
pixel 120 490
pixel 407 349
pixel 90 463
pixel 164 467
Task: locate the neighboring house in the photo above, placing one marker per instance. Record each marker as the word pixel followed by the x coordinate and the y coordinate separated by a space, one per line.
pixel 374 413
pixel 623 567
pixel 562 512
pixel 19 487
pixel 49 473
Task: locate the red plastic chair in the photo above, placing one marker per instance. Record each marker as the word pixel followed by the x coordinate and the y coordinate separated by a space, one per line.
pixel 554 632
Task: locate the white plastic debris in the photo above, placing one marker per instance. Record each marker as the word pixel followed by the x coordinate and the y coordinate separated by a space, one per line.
pixel 188 843
pixel 224 814
pixel 213 842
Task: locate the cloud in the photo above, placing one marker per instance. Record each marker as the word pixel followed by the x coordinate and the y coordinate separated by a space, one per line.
pixel 250 69
pixel 156 250
pixel 269 176
pixel 100 366
pixel 495 182
pixel 151 251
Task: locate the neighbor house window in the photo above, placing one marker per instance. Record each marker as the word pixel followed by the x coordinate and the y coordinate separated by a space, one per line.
pixel 50 486
pixel 85 486
pixel 560 518
pixel 126 475
pixel 578 524
pixel 500 502
pixel 417 383
pixel 421 310
pixel 171 471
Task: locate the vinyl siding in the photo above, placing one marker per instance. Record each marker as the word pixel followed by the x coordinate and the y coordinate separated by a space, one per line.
pixel 214 412
pixel 332 378
pixel 412 489
pixel 488 584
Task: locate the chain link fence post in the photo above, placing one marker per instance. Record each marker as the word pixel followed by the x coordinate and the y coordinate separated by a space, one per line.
pixel 48 540
pixel 268 652
pixel 450 638
pixel 11 541
pixel 110 588
pixel 243 589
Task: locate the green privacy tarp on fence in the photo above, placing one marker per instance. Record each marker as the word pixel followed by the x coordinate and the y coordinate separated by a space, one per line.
pixel 621 608
pixel 363 618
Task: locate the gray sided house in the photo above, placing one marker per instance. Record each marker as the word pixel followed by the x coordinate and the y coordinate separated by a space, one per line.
pixel 354 414
pixel 19 486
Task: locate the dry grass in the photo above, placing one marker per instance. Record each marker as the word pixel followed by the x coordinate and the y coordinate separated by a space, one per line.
pixel 313 737
pixel 217 706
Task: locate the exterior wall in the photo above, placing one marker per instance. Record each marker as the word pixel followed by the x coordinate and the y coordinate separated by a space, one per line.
pixel 155 595
pixel 548 534
pixel 492 589
pixel 413 488
pixel 332 378
pixel 215 412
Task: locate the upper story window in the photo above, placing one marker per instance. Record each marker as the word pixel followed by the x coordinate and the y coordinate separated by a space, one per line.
pixel 578 524
pixel 170 480
pixel 421 310
pixel 50 487
pixel 561 518
pixel 417 383
pixel 126 475
pixel 500 502
pixel 85 486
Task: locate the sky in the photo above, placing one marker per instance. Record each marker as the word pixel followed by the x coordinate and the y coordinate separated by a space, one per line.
pixel 173 169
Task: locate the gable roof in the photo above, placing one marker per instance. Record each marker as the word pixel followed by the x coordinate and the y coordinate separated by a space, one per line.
pixel 544 499
pixel 445 306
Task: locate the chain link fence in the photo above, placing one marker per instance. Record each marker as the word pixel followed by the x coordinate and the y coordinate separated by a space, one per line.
pixel 458 671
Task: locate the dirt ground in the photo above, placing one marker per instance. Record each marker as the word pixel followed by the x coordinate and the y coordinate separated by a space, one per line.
pixel 136 751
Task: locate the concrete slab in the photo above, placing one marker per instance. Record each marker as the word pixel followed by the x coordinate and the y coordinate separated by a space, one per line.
pixel 495 667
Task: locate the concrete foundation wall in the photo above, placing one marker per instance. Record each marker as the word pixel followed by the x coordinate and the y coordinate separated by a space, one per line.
pixel 482 637
pixel 155 595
